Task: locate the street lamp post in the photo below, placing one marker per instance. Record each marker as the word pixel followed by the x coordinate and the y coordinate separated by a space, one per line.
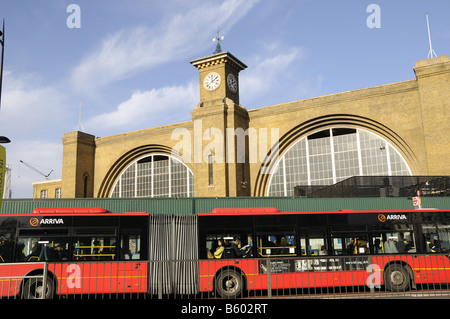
pixel 3 139
pixel 3 55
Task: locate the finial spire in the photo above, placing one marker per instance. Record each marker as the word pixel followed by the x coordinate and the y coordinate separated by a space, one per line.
pixel 80 126
pixel 431 52
pixel 218 38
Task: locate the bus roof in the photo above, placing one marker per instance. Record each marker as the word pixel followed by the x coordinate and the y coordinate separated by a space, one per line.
pixel 251 210
pixel 275 211
pixel 69 210
pixel 74 211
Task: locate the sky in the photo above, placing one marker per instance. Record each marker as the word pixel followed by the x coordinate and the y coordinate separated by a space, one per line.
pixel 127 62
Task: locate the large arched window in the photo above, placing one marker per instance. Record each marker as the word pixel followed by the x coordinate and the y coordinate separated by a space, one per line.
pixel 155 175
pixel 332 155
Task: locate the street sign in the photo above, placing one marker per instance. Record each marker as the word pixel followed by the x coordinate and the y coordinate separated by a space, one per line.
pixel 417 201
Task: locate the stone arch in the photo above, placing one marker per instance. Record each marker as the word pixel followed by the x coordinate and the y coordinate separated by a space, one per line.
pixel 320 123
pixel 125 160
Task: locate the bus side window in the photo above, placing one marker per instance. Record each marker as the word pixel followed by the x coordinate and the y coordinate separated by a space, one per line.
pixel 350 244
pixel 437 238
pixel 276 244
pixel 229 245
pixel 94 248
pixel 313 242
pixel 7 234
pixel 130 245
pixel 444 237
pixel 6 249
pixel 34 249
pixel 401 242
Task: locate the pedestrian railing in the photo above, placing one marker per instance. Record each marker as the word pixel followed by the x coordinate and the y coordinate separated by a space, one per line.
pixel 313 277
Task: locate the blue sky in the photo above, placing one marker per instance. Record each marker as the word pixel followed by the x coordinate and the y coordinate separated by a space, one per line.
pixel 128 63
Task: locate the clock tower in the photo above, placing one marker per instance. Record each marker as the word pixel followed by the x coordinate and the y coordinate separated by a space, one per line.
pixel 219 78
pixel 223 170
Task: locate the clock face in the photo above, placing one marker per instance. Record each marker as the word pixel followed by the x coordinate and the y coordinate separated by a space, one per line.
pixel 232 83
pixel 212 81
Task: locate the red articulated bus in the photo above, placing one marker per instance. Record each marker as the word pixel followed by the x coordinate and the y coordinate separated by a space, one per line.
pixel 88 250
pixel 398 249
pixel 225 252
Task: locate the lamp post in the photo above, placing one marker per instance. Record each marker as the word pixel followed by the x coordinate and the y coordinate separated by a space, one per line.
pixel 2 41
pixel 3 139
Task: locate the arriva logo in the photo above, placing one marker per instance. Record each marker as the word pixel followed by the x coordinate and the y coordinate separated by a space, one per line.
pixel 34 221
pixel 52 221
pixel 46 221
pixel 382 218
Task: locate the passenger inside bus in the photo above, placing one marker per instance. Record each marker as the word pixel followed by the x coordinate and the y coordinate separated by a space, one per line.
pixel 357 247
pixel 323 251
pixel 377 246
pixel 228 246
pixel 394 243
pixel 237 251
pixel 284 249
pixel 218 251
pixel 403 244
pixel 437 237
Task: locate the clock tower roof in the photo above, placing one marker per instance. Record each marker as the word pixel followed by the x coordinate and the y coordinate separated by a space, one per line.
pixel 217 58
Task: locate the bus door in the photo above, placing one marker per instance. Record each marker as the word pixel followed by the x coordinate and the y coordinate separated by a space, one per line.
pixel 93 256
pixel 134 253
pixel 437 246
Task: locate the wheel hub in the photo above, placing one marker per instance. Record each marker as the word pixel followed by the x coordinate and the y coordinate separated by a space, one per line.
pixel 230 284
pixel 397 277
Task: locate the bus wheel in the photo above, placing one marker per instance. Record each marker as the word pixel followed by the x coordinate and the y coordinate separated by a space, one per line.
pixel 397 278
pixel 34 289
pixel 229 283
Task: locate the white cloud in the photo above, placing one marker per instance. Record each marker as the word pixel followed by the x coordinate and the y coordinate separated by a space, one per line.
pixel 129 51
pixel 148 109
pixel 29 108
pixel 32 117
pixel 276 77
pixel 264 76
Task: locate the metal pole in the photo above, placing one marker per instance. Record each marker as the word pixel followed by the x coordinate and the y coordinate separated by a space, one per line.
pixel 371 284
pixel 160 287
pixel 269 280
pixel 44 281
pixel 1 65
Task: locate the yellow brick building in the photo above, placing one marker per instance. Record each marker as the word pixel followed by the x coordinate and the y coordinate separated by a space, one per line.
pixel 226 150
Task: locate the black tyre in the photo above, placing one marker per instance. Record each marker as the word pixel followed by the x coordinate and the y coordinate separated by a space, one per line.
pixel 229 284
pixel 34 289
pixel 397 278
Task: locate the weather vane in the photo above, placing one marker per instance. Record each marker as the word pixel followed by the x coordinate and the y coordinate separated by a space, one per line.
pixel 218 39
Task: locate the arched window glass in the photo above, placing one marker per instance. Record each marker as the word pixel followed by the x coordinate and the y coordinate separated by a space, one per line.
pixel 332 155
pixel 155 175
